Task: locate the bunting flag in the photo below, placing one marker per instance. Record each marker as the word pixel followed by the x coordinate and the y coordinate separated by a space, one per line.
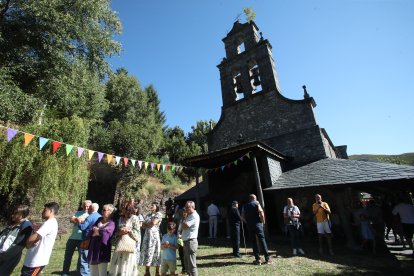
pixel 222 168
pixel 117 159
pixel 100 155
pixel 248 155
pixel 152 166
pixel 28 138
pixel 167 168
pixel 163 167
pixel 235 162
pixel 42 142
pixel 109 158
pixel 80 151
pixel 133 162
pixel 126 161
pixel 158 167
pixel 90 154
pixel 139 164
pixel 10 134
pixel 241 158
pixel 68 149
pixel 145 165
pixel 172 168
pixel 55 146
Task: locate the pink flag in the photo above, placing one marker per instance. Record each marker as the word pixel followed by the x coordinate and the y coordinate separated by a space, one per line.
pixel 100 155
pixel 80 151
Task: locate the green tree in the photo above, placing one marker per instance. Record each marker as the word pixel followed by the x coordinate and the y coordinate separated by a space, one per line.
pixel 249 13
pixel 198 134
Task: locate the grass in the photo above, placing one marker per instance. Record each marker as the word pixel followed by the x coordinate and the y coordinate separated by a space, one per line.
pixel 214 258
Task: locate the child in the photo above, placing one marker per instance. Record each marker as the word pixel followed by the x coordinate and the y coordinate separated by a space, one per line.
pixel 13 239
pixel 169 246
pixel 40 244
pixel 366 232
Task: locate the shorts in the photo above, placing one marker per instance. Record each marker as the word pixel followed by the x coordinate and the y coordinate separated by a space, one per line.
pixel 31 271
pixel 168 265
pixel 324 227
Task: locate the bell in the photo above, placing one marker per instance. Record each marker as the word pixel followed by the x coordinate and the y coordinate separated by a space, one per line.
pixel 255 76
pixel 237 85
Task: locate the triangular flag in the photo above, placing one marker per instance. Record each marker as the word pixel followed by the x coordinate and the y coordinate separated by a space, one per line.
pixel 55 146
pixel 100 155
pixel 28 138
pixel 133 162
pixel 228 165
pixel 158 167
pixel 168 167
pixel 241 158
pixel 68 149
pixel 248 155
pixel 10 134
pixel 139 164
pixel 235 162
pixel 126 161
pixel 109 158
pixel 222 168
pixel 152 166
pixel 42 142
pixel 163 167
pixel 117 159
pixel 90 154
pixel 80 151
pixel 172 168
pixel 145 165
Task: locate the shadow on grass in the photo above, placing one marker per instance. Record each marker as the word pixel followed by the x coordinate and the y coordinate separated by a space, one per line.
pixel 221 264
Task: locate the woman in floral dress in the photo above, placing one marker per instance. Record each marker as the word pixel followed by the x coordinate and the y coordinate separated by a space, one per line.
pixel 151 244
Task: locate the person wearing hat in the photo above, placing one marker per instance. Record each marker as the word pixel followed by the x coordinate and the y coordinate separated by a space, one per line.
pixel 235 220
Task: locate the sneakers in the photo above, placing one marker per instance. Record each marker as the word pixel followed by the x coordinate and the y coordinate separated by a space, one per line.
pixel 301 251
pixel 295 252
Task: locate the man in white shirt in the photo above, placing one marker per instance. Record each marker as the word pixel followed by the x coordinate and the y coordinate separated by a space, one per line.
pixel 405 210
pixel 213 213
pixel 189 227
pixel 40 244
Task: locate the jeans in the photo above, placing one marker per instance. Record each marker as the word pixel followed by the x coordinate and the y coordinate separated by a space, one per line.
pixel 84 266
pixel 190 252
pixel 71 246
pixel 295 236
pixel 257 231
pixel 235 238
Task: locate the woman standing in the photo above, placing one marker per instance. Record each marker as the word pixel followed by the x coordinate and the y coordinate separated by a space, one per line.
pixel 151 244
pixel 13 239
pixel 99 253
pixel 291 215
pixel 128 234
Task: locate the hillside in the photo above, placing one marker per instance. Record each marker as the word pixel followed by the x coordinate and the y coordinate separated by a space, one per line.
pixel 402 159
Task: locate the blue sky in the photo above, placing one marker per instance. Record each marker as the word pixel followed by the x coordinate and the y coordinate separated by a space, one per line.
pixel 355 57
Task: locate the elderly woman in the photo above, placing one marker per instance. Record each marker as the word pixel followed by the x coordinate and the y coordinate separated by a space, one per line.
pixel 151 244
pixel 126 239
pixel 99 252
pixel 291 215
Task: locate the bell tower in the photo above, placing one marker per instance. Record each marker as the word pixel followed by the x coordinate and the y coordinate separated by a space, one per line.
pixel 248 67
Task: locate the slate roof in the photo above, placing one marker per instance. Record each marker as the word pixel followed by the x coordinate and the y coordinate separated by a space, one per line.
pixel 341 171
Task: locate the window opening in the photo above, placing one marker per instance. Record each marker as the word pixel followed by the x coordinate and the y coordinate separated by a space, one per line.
pixel 238 88
pixel 255 79
pixel 240 48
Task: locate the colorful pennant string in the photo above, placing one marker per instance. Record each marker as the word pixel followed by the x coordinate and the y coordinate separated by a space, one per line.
pixel 42 142
pixel 100 155
pixel 28 138
pixel 10 134
pixel 68 149
pixel 80 152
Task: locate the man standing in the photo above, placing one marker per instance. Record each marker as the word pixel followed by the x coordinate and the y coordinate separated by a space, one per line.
pixel 75 238
pixel 85 225
pixel 40 243
pixel 253 214
pixel 235 219
pixel 189 227
pixel 213 213
pixel 322 211
pixel 405 209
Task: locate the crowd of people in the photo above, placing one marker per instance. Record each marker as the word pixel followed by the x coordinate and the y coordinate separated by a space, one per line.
pixel 135 240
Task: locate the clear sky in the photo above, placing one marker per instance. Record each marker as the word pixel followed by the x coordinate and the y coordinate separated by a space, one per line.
pixel 355 57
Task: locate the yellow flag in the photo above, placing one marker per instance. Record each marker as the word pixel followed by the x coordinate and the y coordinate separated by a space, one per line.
pixel 90 154
pixel 145 165
pixel 109 158
pixel 158 167
pixel 28 138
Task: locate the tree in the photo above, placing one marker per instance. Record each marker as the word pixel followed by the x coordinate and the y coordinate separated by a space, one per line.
pixel 198 134
pixel 249 13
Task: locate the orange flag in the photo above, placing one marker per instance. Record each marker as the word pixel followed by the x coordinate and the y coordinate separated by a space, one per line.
pixel 28 138
pixel 109 158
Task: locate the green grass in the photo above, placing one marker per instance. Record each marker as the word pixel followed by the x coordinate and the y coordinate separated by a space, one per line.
pixel 214 258
pixel 402 159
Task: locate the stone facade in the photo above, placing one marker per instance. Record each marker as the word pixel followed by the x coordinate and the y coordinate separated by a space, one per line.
pixel 288 126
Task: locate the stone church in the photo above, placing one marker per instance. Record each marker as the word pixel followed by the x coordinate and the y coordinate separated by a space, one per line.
pixel 289 154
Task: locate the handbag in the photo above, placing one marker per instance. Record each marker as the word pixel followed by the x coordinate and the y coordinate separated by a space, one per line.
pixel 126 244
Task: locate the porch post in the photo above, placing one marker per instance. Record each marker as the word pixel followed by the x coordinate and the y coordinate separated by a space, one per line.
pixel 257 180
pixel 197 203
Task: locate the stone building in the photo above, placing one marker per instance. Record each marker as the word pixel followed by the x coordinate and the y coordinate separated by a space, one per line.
pixel 289 154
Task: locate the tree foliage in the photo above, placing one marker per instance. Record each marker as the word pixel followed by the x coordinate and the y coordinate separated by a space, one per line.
pixel 249 13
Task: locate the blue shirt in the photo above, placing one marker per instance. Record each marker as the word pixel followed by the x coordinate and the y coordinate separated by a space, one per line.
pixel 169 254
pixel 88 224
